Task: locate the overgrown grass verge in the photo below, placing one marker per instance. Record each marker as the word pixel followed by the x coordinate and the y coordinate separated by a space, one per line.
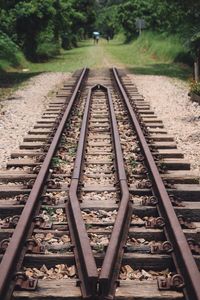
pixel 87 54
pixel 11 60
pixel 10 55
pixel 153 54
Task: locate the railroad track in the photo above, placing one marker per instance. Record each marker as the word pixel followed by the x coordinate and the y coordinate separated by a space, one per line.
pixel 98 203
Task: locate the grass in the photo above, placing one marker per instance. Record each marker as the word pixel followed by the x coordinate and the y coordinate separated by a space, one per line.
pixel 87 54
pixel 151 54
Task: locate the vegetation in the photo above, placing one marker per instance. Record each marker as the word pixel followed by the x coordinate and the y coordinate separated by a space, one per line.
pixel 40 30
pixel 168 17
pixel 152 54
pixel 10 54
pixel 195 87
pixel 41 27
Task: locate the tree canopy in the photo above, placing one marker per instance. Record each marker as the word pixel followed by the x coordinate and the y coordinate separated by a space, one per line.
pixel 41 27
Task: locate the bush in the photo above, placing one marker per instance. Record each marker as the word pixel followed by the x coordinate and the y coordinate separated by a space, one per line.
pixel 9 51
pixel 68 41
pixel 163 46
pixel 47 50
pixel 185 58
pixel 47 47
pixel 195 87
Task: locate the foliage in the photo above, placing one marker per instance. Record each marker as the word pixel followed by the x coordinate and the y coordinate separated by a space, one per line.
pixel 107 21
pixel 9 51
pixel 194 44
pixel 88 10
pixel 47 47
pixel 41 27
pixel 129 12
pixel 195 87
pixel 168 16
pixel 151 54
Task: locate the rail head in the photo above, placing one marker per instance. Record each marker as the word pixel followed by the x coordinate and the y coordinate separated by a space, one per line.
pixel 183 258
pixel 87 269
pixel 114 253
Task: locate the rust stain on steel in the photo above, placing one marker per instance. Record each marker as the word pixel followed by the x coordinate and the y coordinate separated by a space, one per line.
pixel 182 255
pixel 9 261
pixel 86 266
pixel 112 261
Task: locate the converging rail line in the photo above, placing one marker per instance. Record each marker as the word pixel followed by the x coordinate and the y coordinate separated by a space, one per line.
pixel 98 203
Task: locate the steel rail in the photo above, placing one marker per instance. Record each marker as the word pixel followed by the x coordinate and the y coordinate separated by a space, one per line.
pixel 13 252
pixel 85 262
pixel 114 253
pixel 181 254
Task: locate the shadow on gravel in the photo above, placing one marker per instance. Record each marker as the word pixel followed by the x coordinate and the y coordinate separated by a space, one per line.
pixel 171 70
pixel 10 81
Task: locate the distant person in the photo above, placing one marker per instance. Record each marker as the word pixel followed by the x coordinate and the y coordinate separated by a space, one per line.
pixel 108 38
pixel 97 39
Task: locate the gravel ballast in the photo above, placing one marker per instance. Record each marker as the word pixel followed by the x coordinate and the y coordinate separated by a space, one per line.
pixel 23 108
pixel 169 99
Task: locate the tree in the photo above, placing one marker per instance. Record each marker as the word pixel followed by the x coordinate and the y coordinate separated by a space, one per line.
pixel 106 21
pixel 31 18
pixel 88 10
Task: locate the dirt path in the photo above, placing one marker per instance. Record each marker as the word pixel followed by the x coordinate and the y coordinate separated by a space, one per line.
pixel 99 54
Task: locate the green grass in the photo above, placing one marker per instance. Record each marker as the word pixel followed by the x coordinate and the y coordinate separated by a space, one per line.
pixel 151 54
pixel 86 54
pixel 68 61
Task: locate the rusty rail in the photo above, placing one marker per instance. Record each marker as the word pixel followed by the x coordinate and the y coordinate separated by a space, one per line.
pixel 15 249
pixel 112 261
pixel 85 262
pixel 182 256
